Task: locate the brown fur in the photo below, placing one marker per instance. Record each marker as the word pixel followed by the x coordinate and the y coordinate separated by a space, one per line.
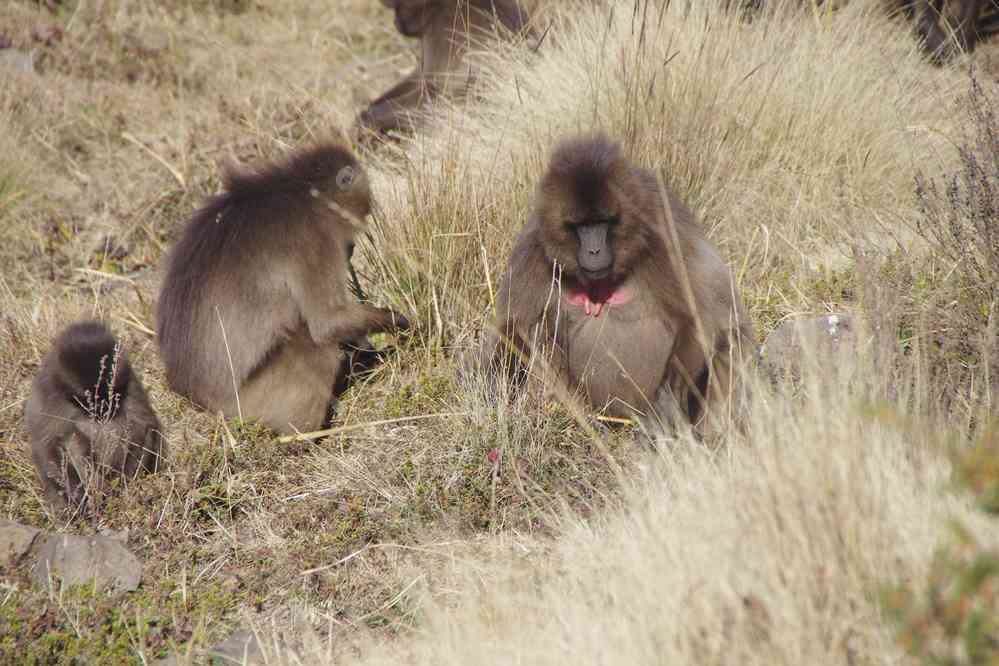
pixel 969 20
pixel 944 27
pixel 446 29
pixel 642 357
pixel 88 412
pixel 256 295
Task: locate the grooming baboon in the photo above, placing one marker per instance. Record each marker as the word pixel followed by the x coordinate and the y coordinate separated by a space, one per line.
pixel 88 414
pixel 446 29
pixel 256 309
pixel 635 305
pixel 946 27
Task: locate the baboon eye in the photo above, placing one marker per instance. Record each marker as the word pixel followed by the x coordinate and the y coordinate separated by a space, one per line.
pixel 345 177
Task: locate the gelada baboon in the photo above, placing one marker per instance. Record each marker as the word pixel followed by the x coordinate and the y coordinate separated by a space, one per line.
pixel 946 27
pixel 446 29
pixel 635 306
pixel 88 414
pixel 255 311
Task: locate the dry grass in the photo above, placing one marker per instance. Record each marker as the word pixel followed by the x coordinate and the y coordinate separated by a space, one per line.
pixel 769 553
pixel 796 139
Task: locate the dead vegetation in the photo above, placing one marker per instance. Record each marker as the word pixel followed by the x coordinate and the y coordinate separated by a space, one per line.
pixel 445 523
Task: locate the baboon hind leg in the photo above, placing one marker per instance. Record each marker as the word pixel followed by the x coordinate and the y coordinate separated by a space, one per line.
pixel 360 358
pixel 933 26
pixel 59 479
pixel 662 418
pixel 293 391
pixel 145 455
pixel 968 23
pixel 928 26
pixel 399 108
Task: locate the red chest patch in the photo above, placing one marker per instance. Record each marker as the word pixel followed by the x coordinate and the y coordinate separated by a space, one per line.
pixel 593 297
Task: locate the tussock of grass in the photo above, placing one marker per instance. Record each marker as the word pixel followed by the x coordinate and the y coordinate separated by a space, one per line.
pixel 768 553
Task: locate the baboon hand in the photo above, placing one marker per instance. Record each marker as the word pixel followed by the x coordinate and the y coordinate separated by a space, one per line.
pixel 399 321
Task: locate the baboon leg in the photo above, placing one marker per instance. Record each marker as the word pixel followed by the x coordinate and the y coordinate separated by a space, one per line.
pixel 721 395
pixel 144 456
pixel 712 398
pixel 294 390
pixel 360 358
pixel 505 350
pixel 661 418
pixel 398 108
pixel 929 26
pixel 53 474
pixel 481 360
pixel 967 30
pixel 76 467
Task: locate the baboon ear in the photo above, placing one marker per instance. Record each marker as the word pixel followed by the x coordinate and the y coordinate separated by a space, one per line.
pixel 345 178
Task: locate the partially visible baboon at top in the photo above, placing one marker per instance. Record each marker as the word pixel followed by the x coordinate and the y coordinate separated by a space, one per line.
pixel 946 27
pixel 446 29
pixel 88 414
pixel 255 308
pixel 636 307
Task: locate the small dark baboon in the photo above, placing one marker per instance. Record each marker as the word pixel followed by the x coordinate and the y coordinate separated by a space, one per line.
pixel 945 27
pixel 639 310
pixel 256 309
pixel 446 29
pixel 88 413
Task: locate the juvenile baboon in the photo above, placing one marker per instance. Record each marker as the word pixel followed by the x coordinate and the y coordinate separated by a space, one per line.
pixel 636 307
pixel 968 20
pixel 88 414
pixel 256 308
pixel 446 29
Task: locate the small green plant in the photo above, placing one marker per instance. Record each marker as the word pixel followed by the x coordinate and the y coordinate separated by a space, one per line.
pixel 954 619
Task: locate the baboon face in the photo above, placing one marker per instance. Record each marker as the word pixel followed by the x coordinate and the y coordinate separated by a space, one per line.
pixel 342 187
pixel 412 16
pixel 592 232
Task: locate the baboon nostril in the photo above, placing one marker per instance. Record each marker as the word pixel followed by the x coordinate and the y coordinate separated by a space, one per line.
pixel 596 251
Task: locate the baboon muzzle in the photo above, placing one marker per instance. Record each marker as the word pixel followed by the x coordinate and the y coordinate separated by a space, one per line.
pixel 595 256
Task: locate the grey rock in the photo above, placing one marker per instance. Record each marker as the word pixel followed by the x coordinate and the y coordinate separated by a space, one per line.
pixel 116 535
pixel 15 540
pixel 241 647
pixel 19 60
pixel 81 560
pixel 828 341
